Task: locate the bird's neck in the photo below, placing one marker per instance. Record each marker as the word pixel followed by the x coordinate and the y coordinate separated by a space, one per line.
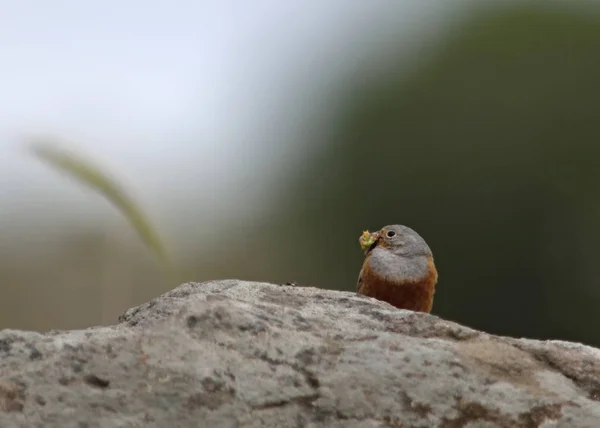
pixel 390 265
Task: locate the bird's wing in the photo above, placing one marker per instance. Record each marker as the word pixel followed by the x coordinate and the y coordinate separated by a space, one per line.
pixel 359 282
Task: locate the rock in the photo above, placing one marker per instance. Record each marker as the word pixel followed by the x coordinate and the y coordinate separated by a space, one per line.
pixel 242 354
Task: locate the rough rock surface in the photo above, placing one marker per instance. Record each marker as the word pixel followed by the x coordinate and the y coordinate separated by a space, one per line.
pixel 241 354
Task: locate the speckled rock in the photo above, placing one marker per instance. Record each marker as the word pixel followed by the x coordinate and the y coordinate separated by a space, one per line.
pixel 242 354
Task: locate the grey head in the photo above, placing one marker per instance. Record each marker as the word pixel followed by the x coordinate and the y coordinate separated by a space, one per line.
pixel 402 241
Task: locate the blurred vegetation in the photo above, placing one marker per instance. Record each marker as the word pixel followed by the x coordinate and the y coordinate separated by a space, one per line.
pixel 488 147
pixel 90 175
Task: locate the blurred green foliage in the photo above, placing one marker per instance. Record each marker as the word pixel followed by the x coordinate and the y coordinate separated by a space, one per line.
pixel 490 150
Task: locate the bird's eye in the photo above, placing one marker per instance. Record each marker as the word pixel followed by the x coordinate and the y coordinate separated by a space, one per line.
pixel 390 234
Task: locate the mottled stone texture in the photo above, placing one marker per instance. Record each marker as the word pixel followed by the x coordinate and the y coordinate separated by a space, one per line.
pixel 242 354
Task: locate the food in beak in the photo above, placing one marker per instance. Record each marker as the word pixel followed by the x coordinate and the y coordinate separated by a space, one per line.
pixel 367 240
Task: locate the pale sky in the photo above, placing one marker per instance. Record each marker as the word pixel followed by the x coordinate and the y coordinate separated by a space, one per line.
pixel 164 92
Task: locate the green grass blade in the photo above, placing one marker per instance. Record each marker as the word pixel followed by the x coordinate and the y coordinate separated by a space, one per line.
pixel 90 175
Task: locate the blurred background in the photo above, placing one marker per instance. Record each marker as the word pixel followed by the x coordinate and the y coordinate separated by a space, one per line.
pixel 262 137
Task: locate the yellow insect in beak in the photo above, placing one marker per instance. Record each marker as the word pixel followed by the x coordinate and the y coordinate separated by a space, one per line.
pixel 367 240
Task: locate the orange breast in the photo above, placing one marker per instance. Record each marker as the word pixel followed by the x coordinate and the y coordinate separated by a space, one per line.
pixel 412 295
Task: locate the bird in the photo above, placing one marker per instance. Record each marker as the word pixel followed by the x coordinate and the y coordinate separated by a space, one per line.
pixel 398 268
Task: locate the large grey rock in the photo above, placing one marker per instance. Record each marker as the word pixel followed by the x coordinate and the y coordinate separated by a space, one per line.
pixel 242 354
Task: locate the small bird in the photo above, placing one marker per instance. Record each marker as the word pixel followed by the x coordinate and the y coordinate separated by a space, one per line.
pixel 398 268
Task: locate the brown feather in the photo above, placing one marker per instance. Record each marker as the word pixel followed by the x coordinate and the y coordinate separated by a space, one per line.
pixel 413 295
